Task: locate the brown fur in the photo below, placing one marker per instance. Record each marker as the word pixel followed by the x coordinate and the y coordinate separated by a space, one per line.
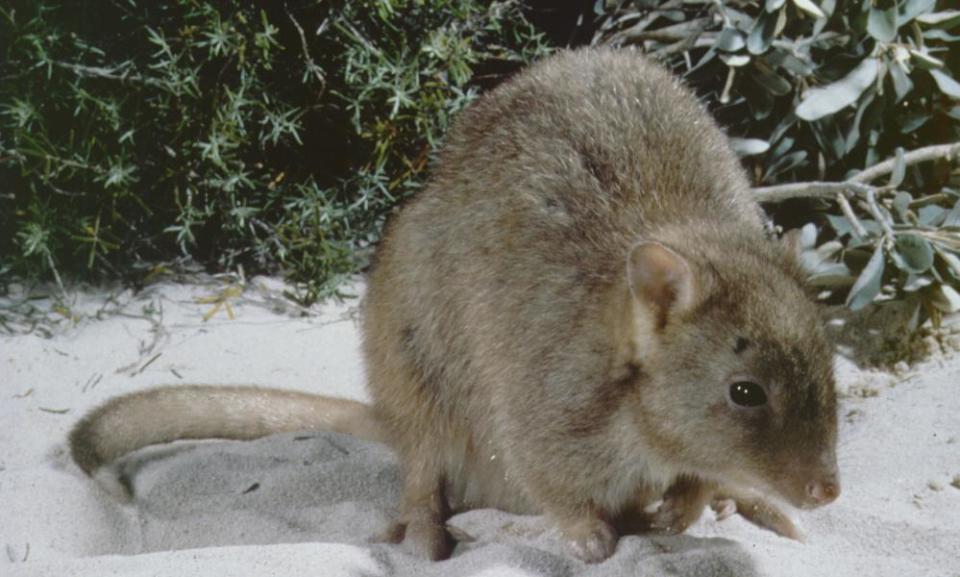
pixel 552 324
pixel 165 414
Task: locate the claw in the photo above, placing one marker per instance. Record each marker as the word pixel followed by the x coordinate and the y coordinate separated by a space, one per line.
pixel 724 508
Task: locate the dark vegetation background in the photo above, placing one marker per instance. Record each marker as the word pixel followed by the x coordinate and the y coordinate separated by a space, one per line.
pixel 277 136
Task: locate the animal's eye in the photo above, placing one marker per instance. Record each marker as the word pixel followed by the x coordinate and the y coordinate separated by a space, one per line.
pixel 748 394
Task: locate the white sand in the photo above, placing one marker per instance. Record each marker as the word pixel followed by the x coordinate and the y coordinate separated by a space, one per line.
pixel 307 505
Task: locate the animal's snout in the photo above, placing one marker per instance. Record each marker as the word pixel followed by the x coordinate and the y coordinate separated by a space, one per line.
pixel 822 491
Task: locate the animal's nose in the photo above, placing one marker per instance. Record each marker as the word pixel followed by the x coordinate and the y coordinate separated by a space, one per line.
pixel 823 491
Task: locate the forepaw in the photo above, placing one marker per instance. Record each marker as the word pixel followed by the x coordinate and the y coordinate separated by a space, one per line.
pixel 676 513
pixel 760 512
pixel 724 508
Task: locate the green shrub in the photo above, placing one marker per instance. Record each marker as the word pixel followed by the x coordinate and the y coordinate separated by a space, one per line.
pixel 279 135
pixel 818 90
pixel 266 135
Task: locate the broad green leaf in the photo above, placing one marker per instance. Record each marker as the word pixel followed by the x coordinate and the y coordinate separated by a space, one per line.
pixel 808 235
pixel 828 6
pixel 953 217
pixel 915 317
pixel 946 299
pixel 832 275
pixel 829 138
pixel 773 5
pixel 871 226
pixel 916 252
pixel 740 20
pixel 947 85
pixel 762 33
pixel 931 215
pixel 782 147
pixel 840 225
pixel 707 57
pixel 772 81
pixel 913 8
pixel 937 34
pixel 882 24
pixel 730 40
pixel 868 284
pixel 826 100
pixel 936 275
pixel 749 146
pixel 853 136
pixel 786 163
pixel 913 121
pixel 924 60
pixel 761 102
pixel 829 248
pixel 901 204
pixel 810 8
pixel 899 168
pixel 944 18
pixel 735 60
pixel 791 63
pixel 952 260
pixel 916 282
pixel 902 84
pixel 809 261
pixel 781 23
pixel 674 15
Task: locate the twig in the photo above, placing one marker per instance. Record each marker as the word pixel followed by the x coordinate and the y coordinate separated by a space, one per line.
pixel 106 73
pixel 870 204
pixel 851 216
pixel 815 189
pixel 311 65
pixel 55 411
pixel 925 154
pixel 671 33
pixel 56 274
pixel 146 364
pixel 677 47
pixel 857 184
pixel 643 23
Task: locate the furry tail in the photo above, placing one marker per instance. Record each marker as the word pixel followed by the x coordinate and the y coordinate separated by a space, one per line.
pixel 166 414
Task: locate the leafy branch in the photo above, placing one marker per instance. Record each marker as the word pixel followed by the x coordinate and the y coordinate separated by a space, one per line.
pixel 815 93
pixel 901 248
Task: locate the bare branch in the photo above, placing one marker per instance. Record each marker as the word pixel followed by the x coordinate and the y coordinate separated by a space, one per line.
pixel 815 189
pixel 859 183
pixel 925 154
pixel 107 73
pixel 851 216
pixel 312 66
pixel 870 205
pixel 672 33
pixel 640 26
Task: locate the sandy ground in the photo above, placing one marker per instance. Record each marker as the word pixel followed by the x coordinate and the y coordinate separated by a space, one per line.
pixel 308 504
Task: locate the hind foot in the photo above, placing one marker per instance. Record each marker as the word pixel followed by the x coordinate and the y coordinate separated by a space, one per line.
pixel 424 535
pixel 591 538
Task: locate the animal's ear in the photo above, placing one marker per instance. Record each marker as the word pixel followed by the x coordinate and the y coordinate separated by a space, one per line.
pixel 661 279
